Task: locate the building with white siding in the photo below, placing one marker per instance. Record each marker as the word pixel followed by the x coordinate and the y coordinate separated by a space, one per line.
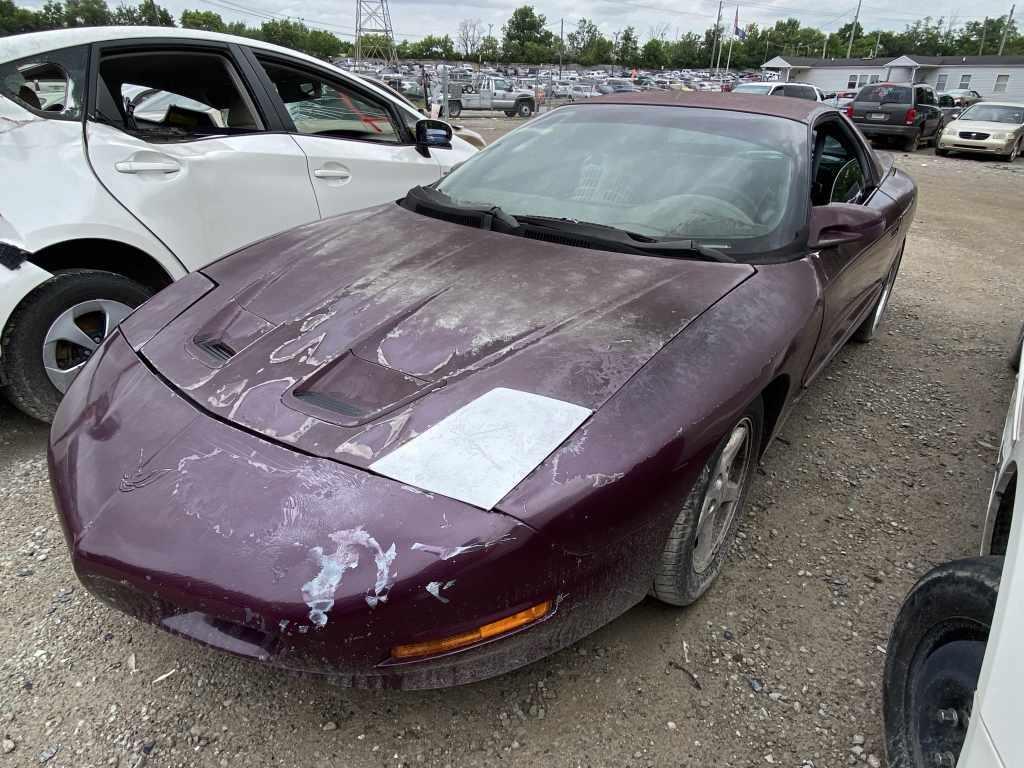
pixel 994 77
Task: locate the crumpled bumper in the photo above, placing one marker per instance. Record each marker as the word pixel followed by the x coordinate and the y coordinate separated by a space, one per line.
pixel 240 543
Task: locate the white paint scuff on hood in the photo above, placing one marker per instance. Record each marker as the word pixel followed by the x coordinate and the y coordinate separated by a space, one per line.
pixel 483 450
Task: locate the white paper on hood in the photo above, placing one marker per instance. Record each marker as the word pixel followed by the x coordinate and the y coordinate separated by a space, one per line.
pixel 484 449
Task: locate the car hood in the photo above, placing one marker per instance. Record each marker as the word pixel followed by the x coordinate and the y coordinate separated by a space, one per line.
pixel 347 338
pixel 983 126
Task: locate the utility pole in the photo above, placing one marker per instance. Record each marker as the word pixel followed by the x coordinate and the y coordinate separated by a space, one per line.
pixel 984 29
pixel 714 42
pixel 1006 28
pixel 878 40
pixel 561 45
pixel 767 40
pixel 853 29
pixel 824 46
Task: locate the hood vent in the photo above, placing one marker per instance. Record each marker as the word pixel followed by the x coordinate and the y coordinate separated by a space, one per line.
pixel 466 219
pixel 216 349
pixel 560 239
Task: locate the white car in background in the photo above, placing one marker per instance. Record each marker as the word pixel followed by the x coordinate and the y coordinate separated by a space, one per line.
pixel 134 155
pixel 796 90
pixel 953 673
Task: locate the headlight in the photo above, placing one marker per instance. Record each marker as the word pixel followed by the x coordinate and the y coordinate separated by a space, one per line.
pixel 1000 135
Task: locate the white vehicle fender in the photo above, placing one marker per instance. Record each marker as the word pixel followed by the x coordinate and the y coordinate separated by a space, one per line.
pixel 18 278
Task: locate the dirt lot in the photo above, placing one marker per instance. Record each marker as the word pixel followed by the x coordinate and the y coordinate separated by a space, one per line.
pixel 883 470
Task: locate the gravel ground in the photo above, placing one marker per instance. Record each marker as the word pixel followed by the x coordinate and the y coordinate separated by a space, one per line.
pixel 883 470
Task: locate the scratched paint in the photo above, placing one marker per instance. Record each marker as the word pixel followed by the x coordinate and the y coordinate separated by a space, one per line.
pixel 435 588
pixel 319 591
pixel 447 553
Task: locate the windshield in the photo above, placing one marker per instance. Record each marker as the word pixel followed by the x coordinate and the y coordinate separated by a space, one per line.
pixel 763 89
pixel 994 113
pixel 886 94
pixel 728 179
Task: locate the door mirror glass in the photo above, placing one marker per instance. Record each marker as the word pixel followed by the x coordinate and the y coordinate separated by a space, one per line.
pixel 433 133
pixel 839 223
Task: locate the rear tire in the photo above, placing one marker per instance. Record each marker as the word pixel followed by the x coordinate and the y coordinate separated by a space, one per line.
pixel 454 109
pixel 934 659
pixel 910 144
pixel 701 536
pixel 29 387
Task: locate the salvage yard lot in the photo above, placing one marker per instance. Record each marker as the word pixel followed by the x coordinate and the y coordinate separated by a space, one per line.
pixel 882 471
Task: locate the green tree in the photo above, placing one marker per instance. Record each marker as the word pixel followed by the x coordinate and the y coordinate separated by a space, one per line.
pixel 146 13
pixel 526 39
pixel 627 53
pixel 208 20
pixel 14 20
pixel 653 55
pixel 587 45
pixel 489 49
pixel 433 47
pixel 323 45
pixel 87 13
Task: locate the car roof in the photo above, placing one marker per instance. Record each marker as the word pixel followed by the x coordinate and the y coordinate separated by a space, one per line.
pixel 20 46
pixel 801 110
pixel 988 103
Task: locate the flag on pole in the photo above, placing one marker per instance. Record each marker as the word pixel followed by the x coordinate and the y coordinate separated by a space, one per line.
pixel 741 34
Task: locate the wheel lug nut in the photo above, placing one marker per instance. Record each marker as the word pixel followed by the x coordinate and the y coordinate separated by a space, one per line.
pixel 947 716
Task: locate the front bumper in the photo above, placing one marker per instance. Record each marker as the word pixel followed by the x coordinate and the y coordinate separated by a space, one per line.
pixel 955 143
pixel 223 537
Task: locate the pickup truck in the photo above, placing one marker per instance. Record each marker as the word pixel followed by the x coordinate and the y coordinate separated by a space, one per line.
pixel 492 93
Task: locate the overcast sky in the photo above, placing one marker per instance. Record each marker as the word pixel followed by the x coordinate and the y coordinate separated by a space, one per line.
pixel 412 19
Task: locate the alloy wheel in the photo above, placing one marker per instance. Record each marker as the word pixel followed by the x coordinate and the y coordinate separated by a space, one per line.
pixel 723 496
pixel 75 335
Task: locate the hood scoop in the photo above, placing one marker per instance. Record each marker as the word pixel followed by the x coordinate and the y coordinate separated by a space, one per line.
pixel 218 351
pixel 352 391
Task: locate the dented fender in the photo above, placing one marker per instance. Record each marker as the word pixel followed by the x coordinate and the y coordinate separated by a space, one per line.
pixel 18 278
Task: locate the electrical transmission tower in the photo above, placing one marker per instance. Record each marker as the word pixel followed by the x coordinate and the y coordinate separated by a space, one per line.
pixel 373 19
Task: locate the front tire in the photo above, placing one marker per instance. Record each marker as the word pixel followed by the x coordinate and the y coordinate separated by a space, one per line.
pixel 869 327
pixel 934 659
pixel 1013 154
pixel 700 538
pixel 55 329
pixel 524 109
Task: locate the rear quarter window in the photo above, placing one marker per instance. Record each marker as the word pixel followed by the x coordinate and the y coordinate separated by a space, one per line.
pixel 891 94
pixel 49 84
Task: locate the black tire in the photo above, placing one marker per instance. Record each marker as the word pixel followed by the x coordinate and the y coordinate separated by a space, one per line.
pixel 1015 352
pixel 934 659
pixel 676 580
pixel 28 387
pixel 869 327
pixel 510 113
pixel 941 152
pixel 524 108
pixel 1013 154
pixel 454 108
pixel 911 143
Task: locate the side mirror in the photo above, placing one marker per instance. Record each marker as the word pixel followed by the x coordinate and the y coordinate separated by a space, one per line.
pixel 433 133
pixel 839 223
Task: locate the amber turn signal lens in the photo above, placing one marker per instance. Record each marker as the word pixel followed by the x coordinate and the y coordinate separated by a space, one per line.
pixel 454 642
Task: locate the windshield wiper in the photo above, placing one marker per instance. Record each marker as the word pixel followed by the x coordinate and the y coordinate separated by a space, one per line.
pixel 598 236
pixel 442 203
pixel 632 242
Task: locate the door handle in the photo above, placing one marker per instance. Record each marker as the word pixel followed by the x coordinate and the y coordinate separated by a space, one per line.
pixel 147 166
pixel 331 173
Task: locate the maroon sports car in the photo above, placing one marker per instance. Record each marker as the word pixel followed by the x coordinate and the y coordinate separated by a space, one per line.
pixel 438 439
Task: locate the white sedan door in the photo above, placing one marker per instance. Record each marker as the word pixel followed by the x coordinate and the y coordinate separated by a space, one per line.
pixel 177 139
pixel 358 152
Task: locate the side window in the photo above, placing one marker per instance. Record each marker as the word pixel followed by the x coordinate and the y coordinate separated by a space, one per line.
pixel 49 84
pixel 940 82
pixel 801 92
pixel 839 176
pixel 500 85
pixel 174 95
pixel 321 107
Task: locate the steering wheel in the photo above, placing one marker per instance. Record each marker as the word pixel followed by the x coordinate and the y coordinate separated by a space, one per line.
pixel 729 194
